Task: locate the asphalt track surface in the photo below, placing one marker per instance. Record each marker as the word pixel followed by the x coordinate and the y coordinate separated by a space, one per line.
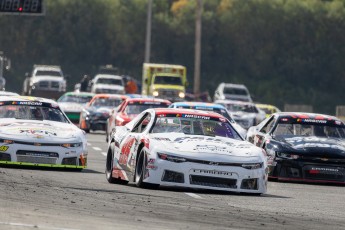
pixel 56 200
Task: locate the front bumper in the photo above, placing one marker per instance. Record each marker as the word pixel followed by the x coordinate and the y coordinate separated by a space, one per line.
pixel 307 171
pixel 202 176
pixel 43 156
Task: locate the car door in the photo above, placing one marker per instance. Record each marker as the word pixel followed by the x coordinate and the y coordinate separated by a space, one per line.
pixel 129 146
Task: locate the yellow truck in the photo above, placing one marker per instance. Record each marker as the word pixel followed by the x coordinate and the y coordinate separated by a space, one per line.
pixel 164 81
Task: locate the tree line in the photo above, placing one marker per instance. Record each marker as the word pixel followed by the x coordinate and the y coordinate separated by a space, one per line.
pixel 285 51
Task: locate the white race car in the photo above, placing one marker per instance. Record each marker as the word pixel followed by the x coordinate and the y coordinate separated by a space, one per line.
pixel 186 148
pixel 35 132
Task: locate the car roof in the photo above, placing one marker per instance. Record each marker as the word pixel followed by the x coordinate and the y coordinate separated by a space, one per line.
pixel 302 115
pixel 187 111
pixel 28 98
pixel 147 100
pixel 201 104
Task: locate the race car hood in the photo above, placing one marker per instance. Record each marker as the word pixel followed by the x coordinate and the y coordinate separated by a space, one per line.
pixel 313 146
pixel 42 131
pixel 205 147
pixel 71 106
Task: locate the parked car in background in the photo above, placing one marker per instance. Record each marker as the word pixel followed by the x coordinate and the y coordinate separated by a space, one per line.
pixel 46 81
pixel 268 109
pixel 72 104
pixel 218 108
pixel 107 83
pixel 302 146
pixel 129 109
pixel 35 132
pixel 95 114
pixel 245 114
pixel 229 91
pixel 185 148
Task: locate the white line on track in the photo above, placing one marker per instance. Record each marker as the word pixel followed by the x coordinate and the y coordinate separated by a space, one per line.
pixel 97 148
pixel 193 195
pixel 104 154
pixel 34 226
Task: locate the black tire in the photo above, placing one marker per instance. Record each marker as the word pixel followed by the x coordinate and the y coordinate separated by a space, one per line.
pixel 109 168
pixel 140 171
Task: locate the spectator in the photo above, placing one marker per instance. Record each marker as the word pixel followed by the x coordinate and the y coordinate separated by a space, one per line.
pixel 84 83
pixel 131 86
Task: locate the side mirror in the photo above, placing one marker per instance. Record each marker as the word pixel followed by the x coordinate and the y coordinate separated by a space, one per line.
pixel 27 74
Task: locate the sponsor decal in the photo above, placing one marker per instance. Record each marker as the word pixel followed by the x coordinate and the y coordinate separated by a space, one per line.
pixel 212 148
pixel 3 148
pixel 161 139
pixel 195 116
pixel 27 103
pixel 213 172
pixel 38 133
pixel 314 121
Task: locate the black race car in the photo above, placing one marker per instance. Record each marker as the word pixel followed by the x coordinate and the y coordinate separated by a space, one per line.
pixel 302 146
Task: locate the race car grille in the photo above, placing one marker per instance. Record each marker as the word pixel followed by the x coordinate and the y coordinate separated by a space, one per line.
pixel 323 173
pixel 37 157
pixel 213 181
pixel 171 176
pixel 36 153
pixel 5 157
pixel 69 161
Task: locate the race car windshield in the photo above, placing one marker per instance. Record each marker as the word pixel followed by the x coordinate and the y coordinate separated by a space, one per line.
pixel 138 108
pixel 27 112
pixel 308 129
pixel 168 80
pixel 75 99
pixel 106 102
pixel 194 126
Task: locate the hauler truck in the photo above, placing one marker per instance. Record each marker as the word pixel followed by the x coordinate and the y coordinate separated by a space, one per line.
pixel 164 81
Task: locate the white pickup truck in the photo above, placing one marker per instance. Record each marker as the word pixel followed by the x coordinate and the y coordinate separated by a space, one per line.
pixel 45 81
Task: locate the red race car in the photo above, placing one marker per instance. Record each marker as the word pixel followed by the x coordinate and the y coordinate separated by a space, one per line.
pixel 129 109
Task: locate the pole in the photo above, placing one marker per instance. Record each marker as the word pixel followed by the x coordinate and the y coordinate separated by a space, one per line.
pixel 199 7
pixel 148 32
